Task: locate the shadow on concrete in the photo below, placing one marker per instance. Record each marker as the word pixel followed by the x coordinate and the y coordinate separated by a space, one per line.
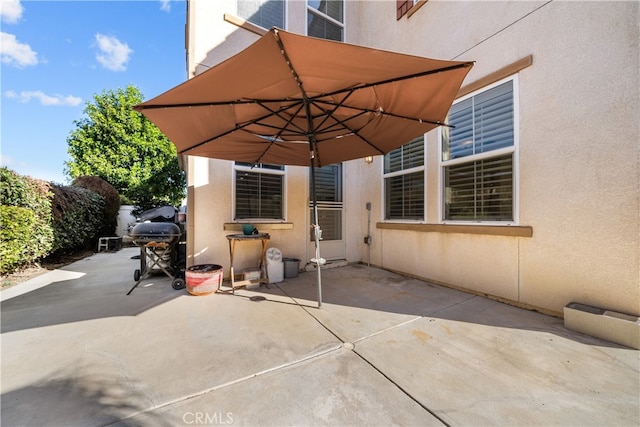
pixel 95 288
pixel 69 398
pixel 371 288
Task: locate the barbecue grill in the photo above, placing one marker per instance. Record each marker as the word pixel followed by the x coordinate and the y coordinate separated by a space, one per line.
pixel 162 243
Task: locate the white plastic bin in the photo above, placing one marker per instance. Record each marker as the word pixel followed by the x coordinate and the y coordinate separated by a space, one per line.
pixel 275 266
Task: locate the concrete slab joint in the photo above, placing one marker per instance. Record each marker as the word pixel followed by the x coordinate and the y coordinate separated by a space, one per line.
pixel 385 349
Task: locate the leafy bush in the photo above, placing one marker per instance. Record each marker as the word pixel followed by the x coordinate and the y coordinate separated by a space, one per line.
pixel 40 219
pixel 35 196
pixel 17 234
pixel 78 217
pixel 111 199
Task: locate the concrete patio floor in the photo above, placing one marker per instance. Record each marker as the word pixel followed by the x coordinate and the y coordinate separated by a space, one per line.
pixel 383 350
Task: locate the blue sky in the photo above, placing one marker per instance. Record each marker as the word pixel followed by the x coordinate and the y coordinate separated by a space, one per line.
pixel 56 55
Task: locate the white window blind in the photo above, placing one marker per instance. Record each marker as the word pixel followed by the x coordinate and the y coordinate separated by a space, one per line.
pixel 328 180
pixel 482 123
pixel 480 190
pixel 259 192
pixel 408 156
pixel 478 156
pixel 404 182
pixel 329 183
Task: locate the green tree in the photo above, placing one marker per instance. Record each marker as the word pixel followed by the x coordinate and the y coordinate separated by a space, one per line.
pixel 124 148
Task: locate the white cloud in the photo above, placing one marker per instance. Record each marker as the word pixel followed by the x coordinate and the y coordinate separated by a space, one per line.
pixel 10 11
pixel 113 54
pixel 46 100
pixel 165 5
pixel 15 53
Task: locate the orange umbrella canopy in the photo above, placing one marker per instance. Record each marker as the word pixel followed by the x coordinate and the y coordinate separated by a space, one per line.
pixel 296 100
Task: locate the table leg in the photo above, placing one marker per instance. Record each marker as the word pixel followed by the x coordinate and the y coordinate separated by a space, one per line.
pixel 263 262
pixel 233 274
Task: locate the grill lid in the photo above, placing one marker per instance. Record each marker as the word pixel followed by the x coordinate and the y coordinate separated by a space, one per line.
pixel 146 232
pixel 160 214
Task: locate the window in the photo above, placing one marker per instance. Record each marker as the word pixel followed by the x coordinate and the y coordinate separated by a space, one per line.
pixel 258 191
pixel 404 182
pixel 265 13
pixel 329 197
pixel 325 19
pixel 478 157
pixel 403 6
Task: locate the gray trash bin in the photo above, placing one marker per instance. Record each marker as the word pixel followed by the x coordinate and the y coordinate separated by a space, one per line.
pixel 291 267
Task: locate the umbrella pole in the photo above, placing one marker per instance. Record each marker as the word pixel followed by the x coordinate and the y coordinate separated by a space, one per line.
pixel 316 227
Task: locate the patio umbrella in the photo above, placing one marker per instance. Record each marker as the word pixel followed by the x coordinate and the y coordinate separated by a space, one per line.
pixel 296 100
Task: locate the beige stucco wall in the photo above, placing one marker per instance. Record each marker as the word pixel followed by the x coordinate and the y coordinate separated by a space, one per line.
pixel 210 207
pixel 578 153
pixel 211 39
pixel 578 149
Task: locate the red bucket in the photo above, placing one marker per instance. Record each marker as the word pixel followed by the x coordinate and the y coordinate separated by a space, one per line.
pixel 203 279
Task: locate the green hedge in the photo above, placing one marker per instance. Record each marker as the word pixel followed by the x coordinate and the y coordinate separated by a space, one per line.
pixel 40 219
pixel 78 218
pixel 111 200
pixel 35 196
pixel 18 226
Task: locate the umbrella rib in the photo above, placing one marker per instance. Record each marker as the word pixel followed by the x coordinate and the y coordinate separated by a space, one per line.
pixel 281 130
pixel 398 79
pixel 238 127
pixel 315 98
pixel 288 120
pixel 329 114
pixel 242 126
pixel 340 124
pixel 355 132
pixel 306 100
pixel 385 113
pixel 196 104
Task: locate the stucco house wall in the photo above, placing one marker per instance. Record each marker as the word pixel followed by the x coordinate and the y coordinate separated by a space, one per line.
pixel 577 234
pixel 211 39
pixel 578 149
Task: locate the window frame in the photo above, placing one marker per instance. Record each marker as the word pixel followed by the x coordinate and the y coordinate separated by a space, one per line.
pixel 386 175
pixel 258 169
pixel 285 12
pixel 513 150
pixel 408 7
pixel 314 11
pixel 329 205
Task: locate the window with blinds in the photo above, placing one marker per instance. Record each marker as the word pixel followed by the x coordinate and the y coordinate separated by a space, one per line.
pixel 265 13
pixel 328 180
pixel 329 183
pixel 478 156
pixel 325 19
pixel 480 190
pixel 259 191
pixel 404 182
